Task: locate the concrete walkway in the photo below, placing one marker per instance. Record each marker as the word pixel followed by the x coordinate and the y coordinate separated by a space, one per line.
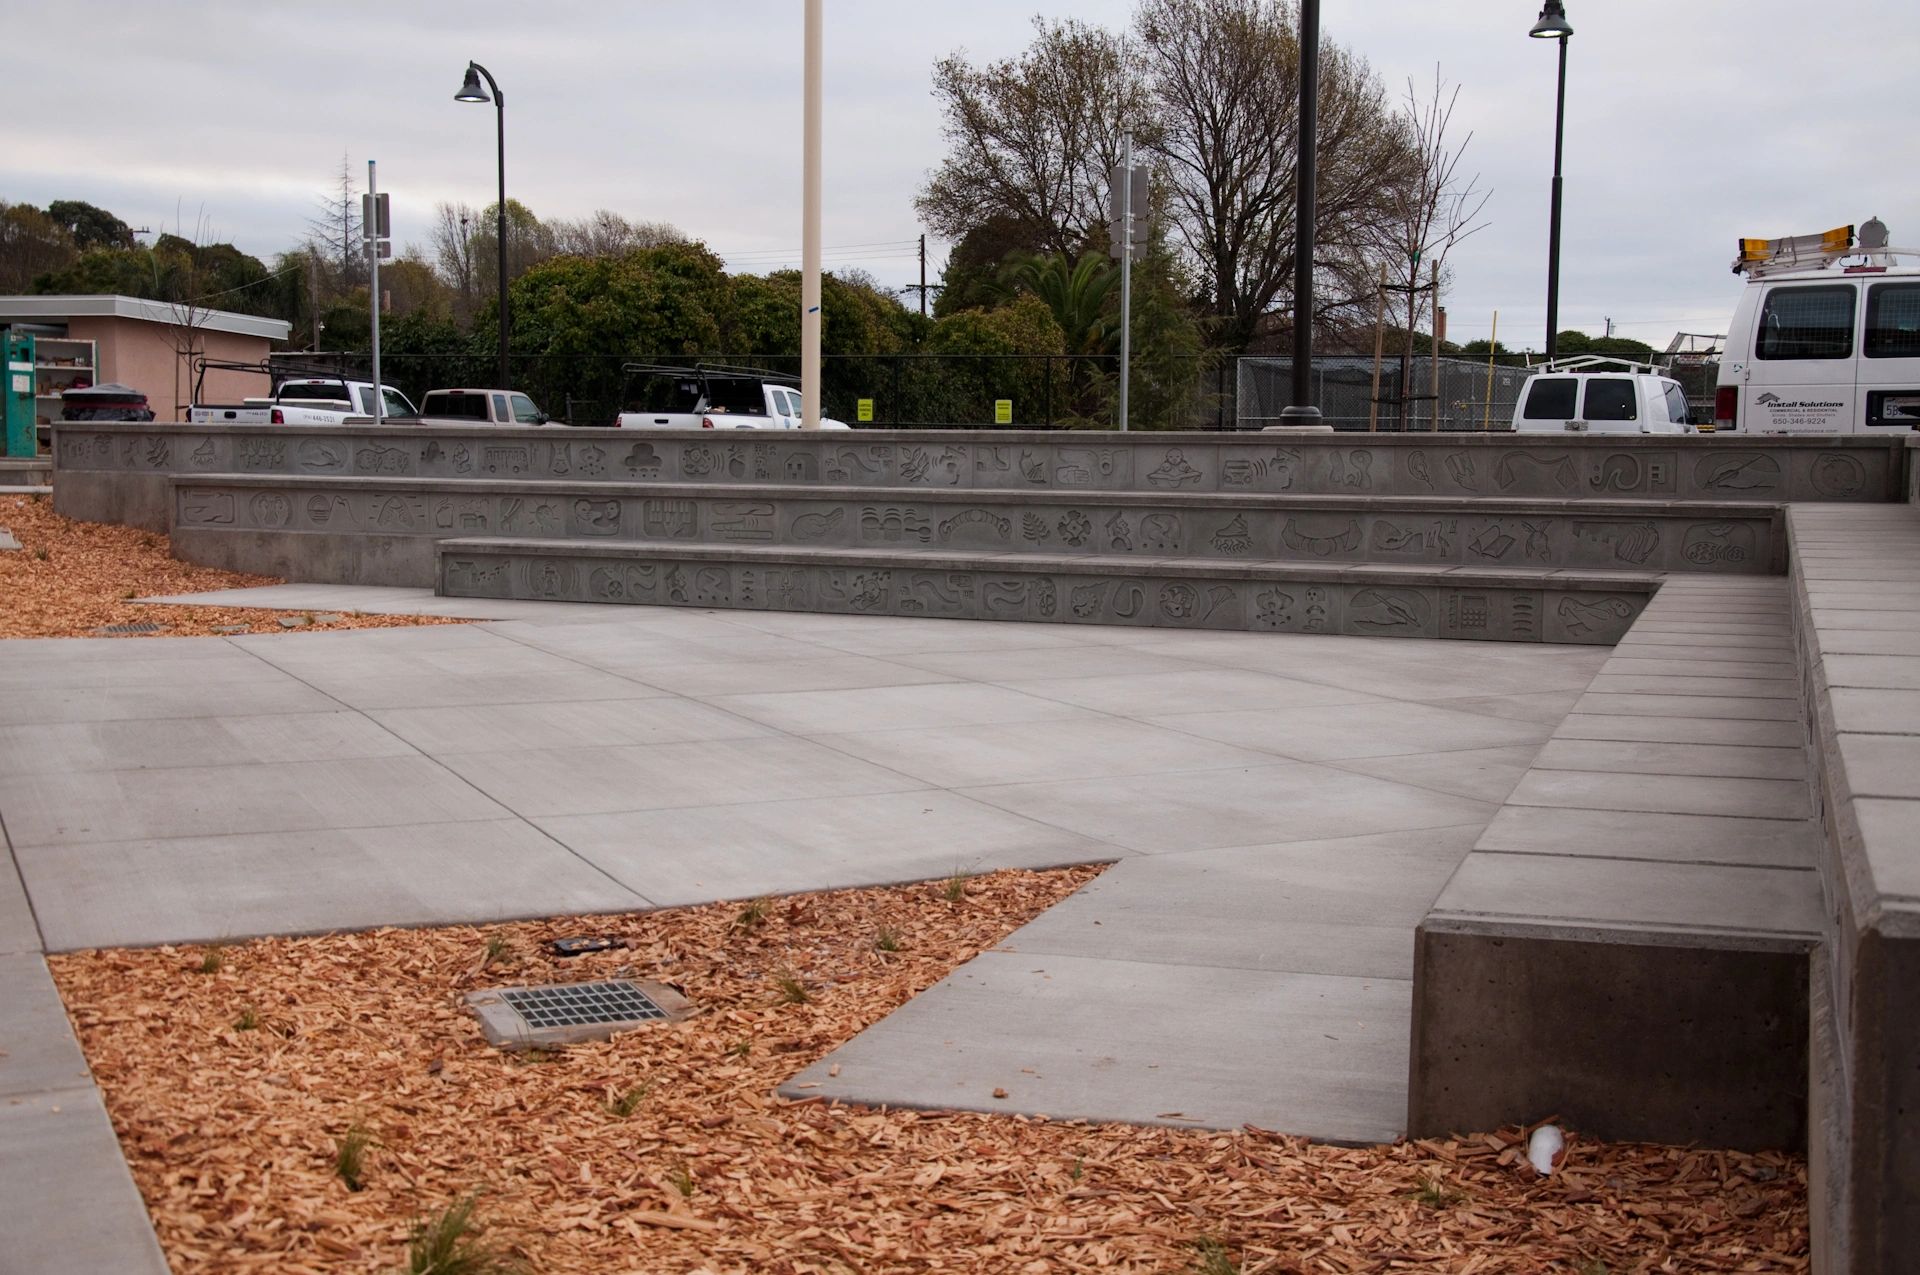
pixel 1281 811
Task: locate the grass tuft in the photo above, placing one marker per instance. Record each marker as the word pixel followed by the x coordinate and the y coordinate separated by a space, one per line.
pixel 629 1102
pixel 41 555
pixel 350 1156
pixel 955 891
pixel 1434 1193
pixel 496 948
pixel 793 991
pixel 888 939
pixel 740 1049
pixel 247 1021
pixel 212 961
pixel 680 1178
pixel 754 915
pixel 450 1244
pixel 1210 1257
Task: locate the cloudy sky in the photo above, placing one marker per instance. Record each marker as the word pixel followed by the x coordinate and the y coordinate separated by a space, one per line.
pixel 1690 123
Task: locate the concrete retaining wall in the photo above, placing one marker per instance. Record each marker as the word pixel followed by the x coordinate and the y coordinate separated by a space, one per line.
pixel 1856 584
pixel 1536 535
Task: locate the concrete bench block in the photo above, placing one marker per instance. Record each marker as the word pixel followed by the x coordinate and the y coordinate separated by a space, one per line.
pixel 1655 1039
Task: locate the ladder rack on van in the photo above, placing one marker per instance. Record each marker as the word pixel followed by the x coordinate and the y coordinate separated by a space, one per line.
pixel 1596 363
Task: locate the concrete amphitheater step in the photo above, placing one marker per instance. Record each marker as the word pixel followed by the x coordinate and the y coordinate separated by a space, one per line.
pixel 1227 594
pixel 317 528
pixel 118 472
pixel 1628 944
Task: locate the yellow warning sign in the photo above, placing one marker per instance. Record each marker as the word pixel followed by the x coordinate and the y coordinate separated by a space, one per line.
pixel 1003 411
pixel 863 410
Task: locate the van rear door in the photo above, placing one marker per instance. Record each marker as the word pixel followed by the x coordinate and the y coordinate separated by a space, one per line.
pixel 1889 378
pixel 1804 344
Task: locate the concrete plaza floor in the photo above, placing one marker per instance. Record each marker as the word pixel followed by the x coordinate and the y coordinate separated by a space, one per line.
pixel 1280 811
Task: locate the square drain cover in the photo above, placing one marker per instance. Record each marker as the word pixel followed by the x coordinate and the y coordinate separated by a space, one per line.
pixel 565 1013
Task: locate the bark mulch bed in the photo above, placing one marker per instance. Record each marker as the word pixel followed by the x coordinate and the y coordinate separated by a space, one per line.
pixel 69 578
pixel 233 1074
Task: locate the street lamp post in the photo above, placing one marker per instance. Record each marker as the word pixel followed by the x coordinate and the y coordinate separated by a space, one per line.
pixel 1302 411
pixel 471 91
pixel 1553 25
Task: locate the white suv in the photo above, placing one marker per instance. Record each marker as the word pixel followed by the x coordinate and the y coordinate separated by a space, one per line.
pixel 1587 396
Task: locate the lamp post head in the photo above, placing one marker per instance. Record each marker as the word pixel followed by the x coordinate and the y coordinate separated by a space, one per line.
pixel 473 90
pixel 1553 24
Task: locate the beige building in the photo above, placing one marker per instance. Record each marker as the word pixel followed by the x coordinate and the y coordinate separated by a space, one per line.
pixel 140 343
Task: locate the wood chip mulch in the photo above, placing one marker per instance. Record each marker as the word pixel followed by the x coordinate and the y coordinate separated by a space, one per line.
pixel 233 1073
pixel 69 578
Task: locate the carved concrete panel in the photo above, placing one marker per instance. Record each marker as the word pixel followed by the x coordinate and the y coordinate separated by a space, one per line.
pixel 1253 529
pixel 1721 467
pixel 1486 611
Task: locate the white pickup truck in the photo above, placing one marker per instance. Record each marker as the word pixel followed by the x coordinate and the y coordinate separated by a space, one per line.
pixel 305 401
pixel 710 398
pixel 480 407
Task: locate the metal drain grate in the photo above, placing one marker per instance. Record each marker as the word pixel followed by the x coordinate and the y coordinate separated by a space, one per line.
pixel 130 628
pixel 582 1005
pixel 563 1013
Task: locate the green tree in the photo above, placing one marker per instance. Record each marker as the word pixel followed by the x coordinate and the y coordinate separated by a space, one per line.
pixel 577 319
pixel 1572 342
pixel 91 227
pixel 31 244
pixel 990 356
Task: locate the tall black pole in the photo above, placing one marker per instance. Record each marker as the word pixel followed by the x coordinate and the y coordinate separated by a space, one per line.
pixel 1553 233
pixel 470 91
pixel 1302 410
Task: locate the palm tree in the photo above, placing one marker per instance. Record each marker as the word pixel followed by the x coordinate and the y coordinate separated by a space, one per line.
pixel 1076 292
pixel 1083 296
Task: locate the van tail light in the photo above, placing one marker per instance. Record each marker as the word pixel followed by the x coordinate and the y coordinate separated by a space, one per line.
pixel 277 417
pixel 706 422
pixel 1726 407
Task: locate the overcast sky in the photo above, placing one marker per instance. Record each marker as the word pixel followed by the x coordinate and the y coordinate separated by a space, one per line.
pixel 1689 123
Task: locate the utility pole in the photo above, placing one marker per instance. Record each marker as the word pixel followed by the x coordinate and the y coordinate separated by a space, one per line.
pixel 923 276
pixel 370 226
pixel 1128 199
pixel 313 283
pixel 1126 275
pixel 375 227
pixel 810 225
pixel 1302 410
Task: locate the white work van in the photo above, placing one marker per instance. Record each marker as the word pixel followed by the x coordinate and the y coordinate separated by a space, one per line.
pixel 1592 394
pixel 1829 347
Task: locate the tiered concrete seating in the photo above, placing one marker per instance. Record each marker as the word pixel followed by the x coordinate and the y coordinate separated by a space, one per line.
pixel 1494 537
pixel 1627 944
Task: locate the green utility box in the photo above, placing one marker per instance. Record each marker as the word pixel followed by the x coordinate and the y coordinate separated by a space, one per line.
pixel 22 435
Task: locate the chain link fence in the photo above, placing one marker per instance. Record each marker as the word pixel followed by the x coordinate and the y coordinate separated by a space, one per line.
pixel 1471 396
pixel 1042 391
